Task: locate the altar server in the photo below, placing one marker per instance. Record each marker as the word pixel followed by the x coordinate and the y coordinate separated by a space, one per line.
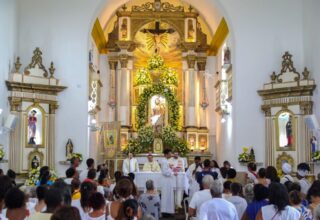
pixel 167 195
pixel 130 165
pixel 151 165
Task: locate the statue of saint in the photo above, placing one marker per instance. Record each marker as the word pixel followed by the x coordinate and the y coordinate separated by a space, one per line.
pixel 32 127
pixel 124 28
pixel 227 56
pixel 35 163
pixel 158 115
pixel 69 148
pixel 314 144
pixel 190 30
pixel 289 132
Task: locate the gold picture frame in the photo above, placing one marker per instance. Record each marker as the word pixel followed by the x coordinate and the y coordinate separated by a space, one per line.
pixel 284 157
pixel 283 141
pixel 31 140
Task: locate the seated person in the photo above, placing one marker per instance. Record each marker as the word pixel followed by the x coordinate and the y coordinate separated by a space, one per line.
pixel 151 165
pixel 205 171
pixel 226 189
pixel 150 201
pixel 239 202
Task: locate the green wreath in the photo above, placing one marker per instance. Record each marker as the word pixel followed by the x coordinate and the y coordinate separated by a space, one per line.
pixel 173 105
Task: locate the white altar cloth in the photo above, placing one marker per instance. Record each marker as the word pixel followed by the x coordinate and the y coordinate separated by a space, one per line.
pixel 179 182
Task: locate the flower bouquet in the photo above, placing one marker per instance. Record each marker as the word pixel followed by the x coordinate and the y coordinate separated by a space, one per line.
pixel 245 156
pixel 143 77
pixel 1 153
pixel 75 155
pixel 155 62
pixel 315 156
pixel 34 177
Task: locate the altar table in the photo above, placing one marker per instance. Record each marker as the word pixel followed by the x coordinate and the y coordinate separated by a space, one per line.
pixel 179 182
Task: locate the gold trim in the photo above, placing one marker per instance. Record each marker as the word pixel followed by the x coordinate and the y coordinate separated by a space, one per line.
pixel 34 88
pixel 218 38
pixel 98 37
pixel 294 126
pixel 36 61
pixel 287 92
pixel 27 145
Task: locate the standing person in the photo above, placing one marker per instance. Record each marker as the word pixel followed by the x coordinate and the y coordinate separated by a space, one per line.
pixel 71 173
pixel 178 166
pixel 5 186
pixel 239 202
pixel 75 162
pixel 15 202
pixel 224 170
pixel 261 178
pixel 295 202
pixel 191 175
pixel 217 208
pixel 215 168
pixel 167 194
pixel 98 205
pixel 205 171
pixel 251 174
pixel 84 173
pixel 272 174
pixel 278 208
pixel 200 197
pixel 150 201
pixel 130 165
pixel 151 165
pixel 286 169
pixel 259 200
pixel 41 205
pixel 303 169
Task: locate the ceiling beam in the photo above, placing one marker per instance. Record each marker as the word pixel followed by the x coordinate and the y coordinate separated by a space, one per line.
pixel 218 38
pixel 99 38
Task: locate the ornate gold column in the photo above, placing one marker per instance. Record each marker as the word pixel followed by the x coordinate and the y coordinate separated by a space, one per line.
pixel 201 63
pixel 190 92
pixel 124 107
pixel 113 63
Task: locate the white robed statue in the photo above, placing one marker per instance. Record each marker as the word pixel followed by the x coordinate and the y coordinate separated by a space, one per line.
pixel 158 115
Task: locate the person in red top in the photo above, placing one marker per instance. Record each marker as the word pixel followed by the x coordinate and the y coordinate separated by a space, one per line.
pixel 91 176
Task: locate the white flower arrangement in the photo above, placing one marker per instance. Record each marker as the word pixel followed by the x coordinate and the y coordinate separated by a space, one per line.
pixel 155 62
pixel 75 155
pixel 169 76
pixel 143 77
pixel 34 177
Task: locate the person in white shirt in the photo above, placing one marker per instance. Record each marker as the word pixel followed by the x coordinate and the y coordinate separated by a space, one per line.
pixel 84 173
pixel 303 170
pixel 70 174
pixel 151 165
pixel 130 165
pixel 167 195
pixel 239 202
pixel 286 169
pixel 200 197
pixel 278 208
pixel 191 175
pixel 217 208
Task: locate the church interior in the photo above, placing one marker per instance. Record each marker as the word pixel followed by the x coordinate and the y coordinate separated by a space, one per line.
pixel 226 81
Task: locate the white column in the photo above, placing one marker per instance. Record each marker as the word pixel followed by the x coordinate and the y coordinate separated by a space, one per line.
pixel 124 106
pixel 52 136
pixel 190 92
pixel 201 63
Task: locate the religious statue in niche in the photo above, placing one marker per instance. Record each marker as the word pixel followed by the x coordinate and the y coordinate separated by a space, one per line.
pixel 35 162
pixel 158 113
pixel 285 126
pixel 314 144
pixel 227 56
pixel 34 126
pixel 191 30
pixel 124 29
pixel 123 141
pixel 202 142
pixel 69 148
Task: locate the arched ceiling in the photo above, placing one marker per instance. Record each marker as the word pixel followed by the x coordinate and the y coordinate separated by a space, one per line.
pixel 209 16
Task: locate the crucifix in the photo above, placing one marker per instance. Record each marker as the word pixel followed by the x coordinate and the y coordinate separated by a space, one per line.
pixel 158 35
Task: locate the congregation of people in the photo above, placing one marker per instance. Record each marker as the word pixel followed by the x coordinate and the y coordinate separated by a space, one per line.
pixel 214 193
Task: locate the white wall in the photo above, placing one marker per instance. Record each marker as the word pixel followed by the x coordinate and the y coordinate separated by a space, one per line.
pixel 260 32
pixel 311 37
pixel 8 33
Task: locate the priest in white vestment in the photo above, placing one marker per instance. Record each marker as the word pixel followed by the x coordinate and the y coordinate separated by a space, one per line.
pixel 151 165
pixel 167 195
pixel 178 165
pixel 130 165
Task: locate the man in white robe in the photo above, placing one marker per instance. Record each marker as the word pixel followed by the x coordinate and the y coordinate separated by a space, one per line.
pixel 167 195
pixel 130 165
pixel 190 174
pixel 178 165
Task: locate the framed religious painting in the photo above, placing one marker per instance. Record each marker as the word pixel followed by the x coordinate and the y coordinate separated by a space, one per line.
pixel 192 140
pixel 203 142
pixel 285 131
pixel 35 126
